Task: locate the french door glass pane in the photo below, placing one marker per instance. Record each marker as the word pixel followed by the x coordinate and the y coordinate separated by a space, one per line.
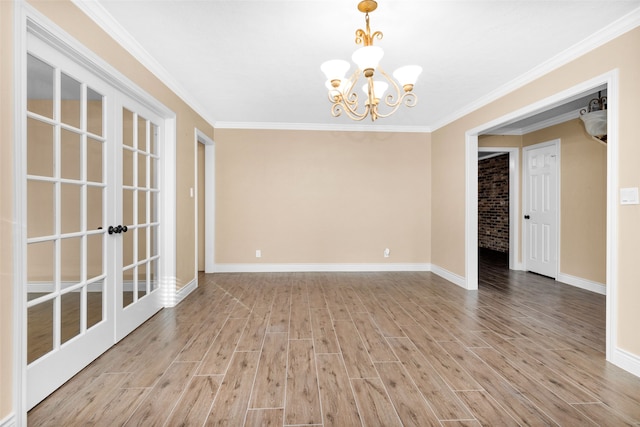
pixel 127 206
pixel 128 286
pixel 94 112
pixel 70 208
pixel 153 206
pixel 94 207
pixel 41 274
pixel 70 155
pixel 95 266
pixel 153 139
pixel 71 94
pixel 40 208
pixel 142 243
pixel 127 167
pixel 153 275
pixel 142 170
pixel 70 309
pixel 142 207
pixel 40 85
pixel 153 241
pixel 94 160
pixel 127 247
pixel 127 127
pixel 142 280
pixel 40 148
pixel 142 134
pixel 70 261
pixel 95 295
pixel 153 173
pixel 40 330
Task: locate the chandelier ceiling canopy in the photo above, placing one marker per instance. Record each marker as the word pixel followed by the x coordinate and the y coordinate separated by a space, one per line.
pixel 342 93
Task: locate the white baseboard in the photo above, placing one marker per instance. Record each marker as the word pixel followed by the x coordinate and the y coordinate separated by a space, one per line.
pixel 8 421
pixel 452 277
pixel 582 283
pixel 627 361
pixel 184 291
pixel 292 268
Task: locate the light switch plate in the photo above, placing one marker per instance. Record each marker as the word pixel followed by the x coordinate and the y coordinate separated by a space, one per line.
pixel 629 196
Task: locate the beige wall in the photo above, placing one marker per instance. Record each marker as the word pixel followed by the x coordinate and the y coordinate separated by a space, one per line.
pixel 448 153
pixel 322 197
pixel 583 199
pixel 6 209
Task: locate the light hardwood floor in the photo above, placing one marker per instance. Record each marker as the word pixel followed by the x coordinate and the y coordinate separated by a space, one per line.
pixel 350 349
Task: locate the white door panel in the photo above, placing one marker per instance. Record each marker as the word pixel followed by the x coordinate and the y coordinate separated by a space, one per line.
pixel 541 208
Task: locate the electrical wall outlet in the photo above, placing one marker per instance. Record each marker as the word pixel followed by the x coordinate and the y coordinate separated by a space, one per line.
pixel 387 252
pixel 258 253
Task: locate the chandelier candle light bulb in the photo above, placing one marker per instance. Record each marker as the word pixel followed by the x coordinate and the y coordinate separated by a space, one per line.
pixel 367 58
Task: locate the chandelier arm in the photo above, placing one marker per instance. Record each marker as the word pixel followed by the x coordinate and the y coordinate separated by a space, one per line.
pixel 409 99
pixel 389 99
pixel 352 113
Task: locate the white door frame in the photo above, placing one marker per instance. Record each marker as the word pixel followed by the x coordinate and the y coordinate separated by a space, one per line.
pixel 514 201
pixel 614 354
pixel 209 200
pixel 525 193
pixel 29 19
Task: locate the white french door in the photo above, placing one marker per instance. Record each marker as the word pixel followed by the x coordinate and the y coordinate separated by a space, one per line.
pixel 92 262
pixel 137 287
pixel 541 208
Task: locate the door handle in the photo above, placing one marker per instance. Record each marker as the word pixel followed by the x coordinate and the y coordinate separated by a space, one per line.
pixel 527 217
pixel 119 229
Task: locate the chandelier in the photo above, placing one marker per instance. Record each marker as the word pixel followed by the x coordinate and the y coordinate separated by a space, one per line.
pixel 341 91
pixel 594 117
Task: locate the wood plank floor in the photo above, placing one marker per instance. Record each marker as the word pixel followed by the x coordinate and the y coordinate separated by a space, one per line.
pixel 351 349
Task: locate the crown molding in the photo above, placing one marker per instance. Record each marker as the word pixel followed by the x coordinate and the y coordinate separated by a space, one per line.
pixel 595 40
pixel 562 118
pixel 98 14
pixel 320 127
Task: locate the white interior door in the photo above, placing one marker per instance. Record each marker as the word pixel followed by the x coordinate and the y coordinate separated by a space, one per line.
pixel 541 208
pixel 137 289
pixel 91 161
pixel 69 281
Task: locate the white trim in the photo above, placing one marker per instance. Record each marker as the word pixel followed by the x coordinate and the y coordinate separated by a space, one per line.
pixel 184 291
pixel 514 200
pixel 613 96
pixel 20 212
pixel 562 118
pixel 625 360
pixel 9 420
pixel 470 281
pixel 611 80
pixel 290 268
pixel 451 277
pixel 597 39
pixel 321 127
pixel 555 143
pixel 209 200
pixel 581 283
pixel 98 14
pixel 168 213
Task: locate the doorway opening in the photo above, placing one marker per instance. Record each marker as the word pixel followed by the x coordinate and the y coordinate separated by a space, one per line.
pixel 608 80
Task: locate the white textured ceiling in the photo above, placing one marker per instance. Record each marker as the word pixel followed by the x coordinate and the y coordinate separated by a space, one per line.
pixel 258 62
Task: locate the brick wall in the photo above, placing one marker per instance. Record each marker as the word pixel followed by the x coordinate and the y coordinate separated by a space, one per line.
pixel 493 203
